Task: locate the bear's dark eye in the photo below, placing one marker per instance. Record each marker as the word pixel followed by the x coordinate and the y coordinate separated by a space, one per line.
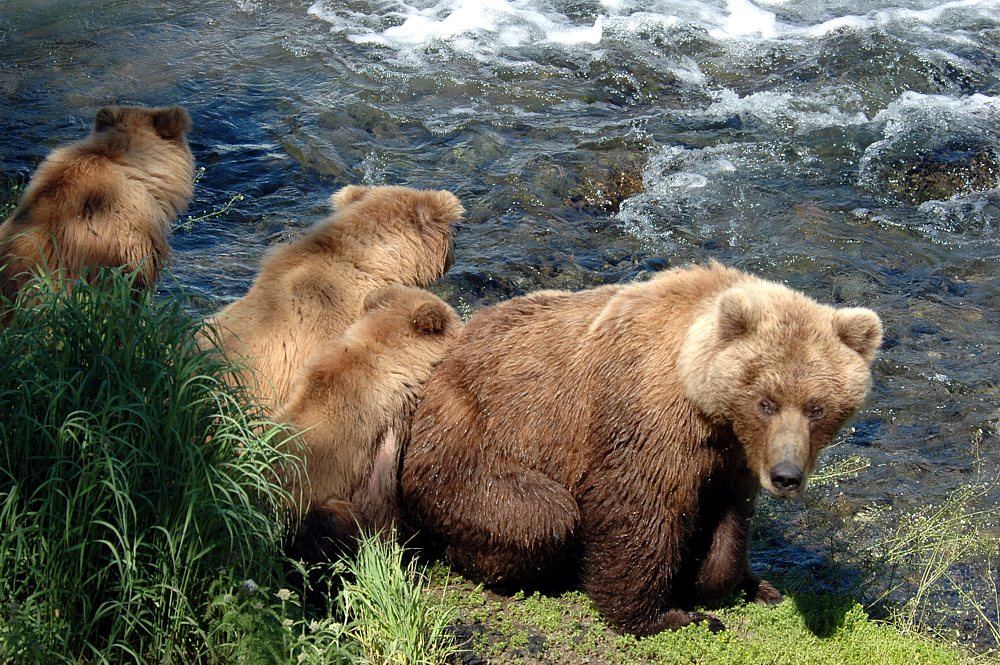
pixel 814 412
pixel 767 407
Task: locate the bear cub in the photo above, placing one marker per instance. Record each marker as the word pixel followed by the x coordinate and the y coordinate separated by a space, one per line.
pixel 105 201
pixel 352 404
pixel 310 290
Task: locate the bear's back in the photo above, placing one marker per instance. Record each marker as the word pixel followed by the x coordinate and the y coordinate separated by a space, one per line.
pixel 516 370
pixel 81 211
pixel 543 376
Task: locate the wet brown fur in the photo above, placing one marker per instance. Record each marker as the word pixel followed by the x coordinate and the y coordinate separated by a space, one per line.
pixel 352 404
pixel 105 201
pixel 617 432
pixel 310 290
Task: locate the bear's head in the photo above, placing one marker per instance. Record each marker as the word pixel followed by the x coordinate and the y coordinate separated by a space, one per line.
pixel 155 141
pixel 784 371
pixel 412 228
pixel 121 129
pixel 400 316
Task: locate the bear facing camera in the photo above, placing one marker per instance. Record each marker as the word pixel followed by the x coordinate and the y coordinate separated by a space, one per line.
pixel 623 433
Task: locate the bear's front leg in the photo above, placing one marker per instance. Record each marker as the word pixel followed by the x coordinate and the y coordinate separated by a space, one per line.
pixel 760 591
pixel 634 566
pixel 726 568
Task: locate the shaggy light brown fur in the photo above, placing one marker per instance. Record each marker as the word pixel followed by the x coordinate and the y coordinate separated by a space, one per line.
pixel 623 433
pixel 309 291
pixel 107 200
pixel 353 401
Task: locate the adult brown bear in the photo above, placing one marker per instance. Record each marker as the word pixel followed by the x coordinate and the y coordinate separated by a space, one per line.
pixel 107 200
pixel 625 431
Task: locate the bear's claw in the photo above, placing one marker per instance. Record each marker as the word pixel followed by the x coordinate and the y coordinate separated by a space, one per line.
pixel 766 594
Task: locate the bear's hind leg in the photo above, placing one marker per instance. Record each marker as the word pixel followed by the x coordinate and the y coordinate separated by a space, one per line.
pixel 527 540
pixel 498 520
pixel 509 528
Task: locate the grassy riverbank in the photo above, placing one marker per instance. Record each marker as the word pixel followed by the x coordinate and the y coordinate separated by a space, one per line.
pixel 566 629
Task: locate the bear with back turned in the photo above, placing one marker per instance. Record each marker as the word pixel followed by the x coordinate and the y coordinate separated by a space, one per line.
pixel 352 405
pixel 310 290
pixel 624 432
pixel 105 201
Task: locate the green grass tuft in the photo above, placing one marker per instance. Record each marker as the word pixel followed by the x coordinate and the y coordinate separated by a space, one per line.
pixel 131 476
pixel 140 515
pixel 395 621
pixel 254 625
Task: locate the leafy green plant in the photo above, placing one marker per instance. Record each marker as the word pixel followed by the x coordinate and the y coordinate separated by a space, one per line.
pixel 189 221
pixel 251 624
pixel 10 193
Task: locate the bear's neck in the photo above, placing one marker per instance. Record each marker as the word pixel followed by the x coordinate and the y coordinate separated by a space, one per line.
pixel 650 408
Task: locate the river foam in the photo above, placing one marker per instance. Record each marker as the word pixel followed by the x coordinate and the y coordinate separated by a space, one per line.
pixel 480 27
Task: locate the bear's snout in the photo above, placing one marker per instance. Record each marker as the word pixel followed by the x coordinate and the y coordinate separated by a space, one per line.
pixel 786 458
pixel 786 478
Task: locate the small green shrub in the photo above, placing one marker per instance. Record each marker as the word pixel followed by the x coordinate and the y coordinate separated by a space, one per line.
pixel 133 477
pixel 381 614
pixel 251 625
pixel 10 194
pixel 935 553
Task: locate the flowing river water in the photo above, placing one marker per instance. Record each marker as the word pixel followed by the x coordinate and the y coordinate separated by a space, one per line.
pixel 849 148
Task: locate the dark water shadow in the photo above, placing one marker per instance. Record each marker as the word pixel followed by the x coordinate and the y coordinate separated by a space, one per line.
pixel 822 588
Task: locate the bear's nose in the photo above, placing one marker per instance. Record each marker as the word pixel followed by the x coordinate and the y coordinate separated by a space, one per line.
pixel 786 477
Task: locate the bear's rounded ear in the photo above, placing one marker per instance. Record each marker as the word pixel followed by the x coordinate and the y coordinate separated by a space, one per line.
pixel 171 123
pixel 430 318
pixel 106 116
pixel 860 329
pixel 737 314
pixel 435 207
pixel 377 298
pixel 345 196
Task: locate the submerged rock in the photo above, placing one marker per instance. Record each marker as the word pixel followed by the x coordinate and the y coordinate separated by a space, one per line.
pixel 944 173
pixel 604 187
